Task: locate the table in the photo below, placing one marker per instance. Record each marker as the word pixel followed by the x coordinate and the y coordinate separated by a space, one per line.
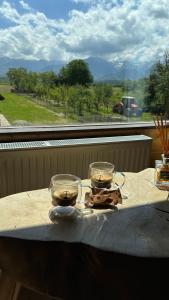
pixel 109 245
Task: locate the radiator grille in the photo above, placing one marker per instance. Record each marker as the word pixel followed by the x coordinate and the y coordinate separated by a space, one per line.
pixel 72 142
pixel 30 165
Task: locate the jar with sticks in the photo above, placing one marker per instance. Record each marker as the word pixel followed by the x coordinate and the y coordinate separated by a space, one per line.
pixel 162 168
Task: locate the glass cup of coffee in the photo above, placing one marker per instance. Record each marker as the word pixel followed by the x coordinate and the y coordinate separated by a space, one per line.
pixel 104 176
pixel 65 189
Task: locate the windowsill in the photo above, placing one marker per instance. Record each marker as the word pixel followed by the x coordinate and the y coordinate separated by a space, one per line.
pixel 8 134
pixel 84 127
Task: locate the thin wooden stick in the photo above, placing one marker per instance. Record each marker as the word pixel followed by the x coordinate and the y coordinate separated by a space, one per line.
pixel 166 135
pixel 161 126
pixel 162 134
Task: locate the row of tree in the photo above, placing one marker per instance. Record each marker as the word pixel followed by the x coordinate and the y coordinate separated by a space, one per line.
pixel 80 100
pixel 74 73
pixel 70 91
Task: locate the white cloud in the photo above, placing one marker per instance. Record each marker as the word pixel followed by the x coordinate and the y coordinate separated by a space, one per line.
pixel 114 30
pixel 25 5
pixel 9 12
pixel 129 29
pixel 32 37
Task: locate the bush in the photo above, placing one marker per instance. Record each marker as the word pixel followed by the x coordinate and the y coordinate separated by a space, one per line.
pixel 2 97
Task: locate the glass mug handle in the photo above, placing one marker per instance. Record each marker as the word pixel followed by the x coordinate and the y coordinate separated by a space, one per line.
pixel 50 186
pixel 114 179
pixel 79 196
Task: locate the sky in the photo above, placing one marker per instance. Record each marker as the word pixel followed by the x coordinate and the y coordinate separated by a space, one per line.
pixel 115 30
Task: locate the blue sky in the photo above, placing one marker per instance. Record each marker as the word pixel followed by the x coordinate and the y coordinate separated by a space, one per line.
pixel 52 8
pixel 114 30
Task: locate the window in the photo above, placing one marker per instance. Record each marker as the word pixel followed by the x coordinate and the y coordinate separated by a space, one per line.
pixel 71 62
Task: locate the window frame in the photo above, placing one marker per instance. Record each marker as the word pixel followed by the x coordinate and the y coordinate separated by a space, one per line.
pixel 12 134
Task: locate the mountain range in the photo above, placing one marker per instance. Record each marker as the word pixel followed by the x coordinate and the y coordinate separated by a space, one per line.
pixel 101 69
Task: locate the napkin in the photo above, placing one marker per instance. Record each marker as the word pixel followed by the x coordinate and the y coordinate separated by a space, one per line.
pixel 102 197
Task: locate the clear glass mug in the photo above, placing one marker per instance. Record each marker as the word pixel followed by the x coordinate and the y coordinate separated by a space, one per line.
pixel 65 189
pixel 104 176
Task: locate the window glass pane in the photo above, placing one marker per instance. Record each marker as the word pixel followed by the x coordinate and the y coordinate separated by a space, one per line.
pixel 83 61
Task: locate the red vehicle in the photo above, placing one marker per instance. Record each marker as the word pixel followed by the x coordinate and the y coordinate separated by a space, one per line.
pixel 127 107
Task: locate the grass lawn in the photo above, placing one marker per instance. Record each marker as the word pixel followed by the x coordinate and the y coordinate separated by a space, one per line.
pixel 16 107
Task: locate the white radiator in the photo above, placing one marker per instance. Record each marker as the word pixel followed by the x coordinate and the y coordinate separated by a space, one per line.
pixel 30 165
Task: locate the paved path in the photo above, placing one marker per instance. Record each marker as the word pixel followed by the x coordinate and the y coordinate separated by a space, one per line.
pixel 3 121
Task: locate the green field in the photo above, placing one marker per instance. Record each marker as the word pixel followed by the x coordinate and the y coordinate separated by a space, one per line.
pixel 16 107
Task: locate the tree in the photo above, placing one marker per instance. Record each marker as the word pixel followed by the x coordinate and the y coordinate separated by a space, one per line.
pixel 158 84
pixel 32 78
pixel 18 78
pixel 40 90
pixel 108 92
pixel 62 76
pixel 22 80
pixel 103 94
pixel 98 96
pixel 76 72
pixel 48 79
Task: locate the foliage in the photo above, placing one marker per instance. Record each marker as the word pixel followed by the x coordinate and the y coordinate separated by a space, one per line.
pixel 80 100
pixel 76 72
pixel 30 82
pixel 157 88
pixel 18 78
pixel 102 95
pixel 47 79
pixel 71 98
